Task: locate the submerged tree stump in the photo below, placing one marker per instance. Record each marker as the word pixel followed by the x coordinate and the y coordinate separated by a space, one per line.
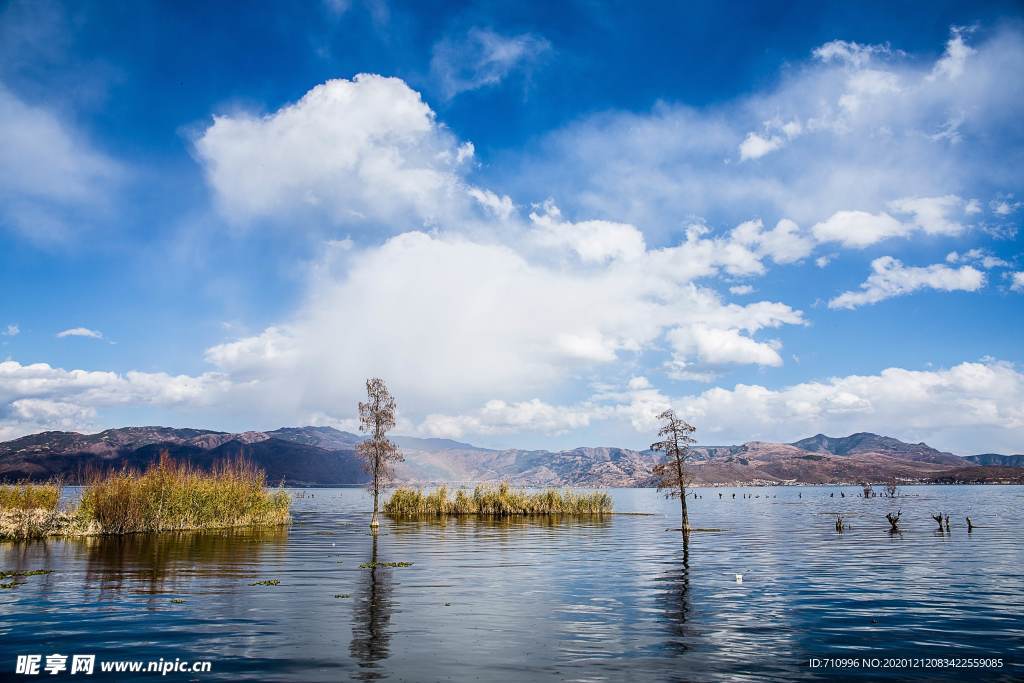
pixel 970 525
pixel 840 523
pixel 894 521
pixel 938 518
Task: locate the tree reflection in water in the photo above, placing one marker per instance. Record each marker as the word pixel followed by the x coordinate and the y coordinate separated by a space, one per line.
pixel 371 617
pixel 677 601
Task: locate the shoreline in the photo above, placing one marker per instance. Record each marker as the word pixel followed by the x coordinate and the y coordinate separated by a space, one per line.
pixel 591 487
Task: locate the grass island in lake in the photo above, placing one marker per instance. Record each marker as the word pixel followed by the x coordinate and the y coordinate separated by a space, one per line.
pixel 167 496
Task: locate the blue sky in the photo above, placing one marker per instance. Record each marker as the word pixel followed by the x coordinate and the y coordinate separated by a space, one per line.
pixel 542 223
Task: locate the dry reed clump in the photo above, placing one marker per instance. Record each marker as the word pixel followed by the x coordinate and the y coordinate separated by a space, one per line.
pixel 499 501
pixel 30 511
pixel 17 525
pixel 172 496
pixel 26 496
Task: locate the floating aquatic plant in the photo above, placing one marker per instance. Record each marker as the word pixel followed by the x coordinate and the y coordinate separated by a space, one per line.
pixel 33 572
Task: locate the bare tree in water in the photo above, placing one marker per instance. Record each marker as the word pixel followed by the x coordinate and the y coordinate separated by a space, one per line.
pixel 892 488
pixel 376 417
pixel 675 444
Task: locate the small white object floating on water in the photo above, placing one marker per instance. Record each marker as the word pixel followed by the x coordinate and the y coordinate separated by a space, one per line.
pixel 739 578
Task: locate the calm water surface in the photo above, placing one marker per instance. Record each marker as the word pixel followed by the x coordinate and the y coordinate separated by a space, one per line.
pixel 583 600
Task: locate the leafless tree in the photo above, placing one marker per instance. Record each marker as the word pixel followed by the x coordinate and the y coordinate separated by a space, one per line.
pixel 868 492
pixel 675 444
pixel 938 518
pixel 376 417
pixel 891 488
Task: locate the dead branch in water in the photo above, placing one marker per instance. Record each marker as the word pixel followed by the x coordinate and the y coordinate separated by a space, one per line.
pixel 894 521
pixel 938 518
pixel 970 525
pixel 840 523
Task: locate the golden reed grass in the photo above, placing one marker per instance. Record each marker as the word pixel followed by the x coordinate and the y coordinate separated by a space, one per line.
pixel 27 496
pixel 167 496
pixel 172 496
pixel 498 501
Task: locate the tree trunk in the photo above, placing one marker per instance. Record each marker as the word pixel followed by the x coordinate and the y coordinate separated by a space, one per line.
pixel 373 520
pixel 376 484
pixel 686 516
pixel 682 493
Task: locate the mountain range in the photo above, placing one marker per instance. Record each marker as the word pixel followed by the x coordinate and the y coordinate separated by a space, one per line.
pixel 324 456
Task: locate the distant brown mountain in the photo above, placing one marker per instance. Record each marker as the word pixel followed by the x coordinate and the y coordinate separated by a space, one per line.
pixel 297 456
pixel 996 459
pixel 325 456
pixel 865 442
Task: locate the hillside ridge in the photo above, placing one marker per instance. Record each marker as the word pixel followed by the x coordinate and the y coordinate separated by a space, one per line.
pixel 321 455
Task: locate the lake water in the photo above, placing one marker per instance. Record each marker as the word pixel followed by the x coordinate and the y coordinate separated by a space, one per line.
pixel 576 600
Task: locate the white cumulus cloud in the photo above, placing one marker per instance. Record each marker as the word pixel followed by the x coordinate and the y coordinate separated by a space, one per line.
pixel 362 150
pixel 954 60
pixel 456 318
pixel 873 147
pixel 593 241
pixel 37 396
pixel 968 408
pixel 785 243
pixel 720 346
pixel 932 214
pixel 890 278
pixel 858 229
pixel 1017 281
pixel 755 146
